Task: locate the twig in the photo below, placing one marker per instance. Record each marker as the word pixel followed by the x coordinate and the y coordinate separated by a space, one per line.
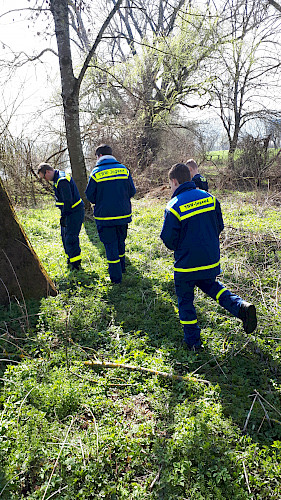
pixel 242 348
pixel 220 367
pixel 96 381
pixel 10 482
pixel 58 457
pixel 201 366
pixel 277 290
pixel 7 292
pixel 271 406
pixel 21 317
pixel 246 477
pixel 96 427
pixel 10 360
pixel 2 414
pixel 82 451
pixel 156 478
pixel 65 338
pixel 249 414
pixel 58 491
pixel 261 424
pixel 24 399
pixel 83 378
pixel 15 345
pixel 186 378
pixel 120 385
pixel 276 421
pixel 265 412
pixel 83 349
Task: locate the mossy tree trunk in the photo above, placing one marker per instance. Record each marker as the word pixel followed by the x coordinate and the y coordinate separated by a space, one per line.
pixel 21 273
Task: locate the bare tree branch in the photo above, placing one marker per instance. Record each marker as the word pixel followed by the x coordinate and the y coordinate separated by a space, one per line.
pixel 275 4
pixel 95 45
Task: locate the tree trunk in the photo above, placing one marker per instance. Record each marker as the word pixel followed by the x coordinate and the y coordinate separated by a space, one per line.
pixel 21 273
pixel 70 94
pixel 149 142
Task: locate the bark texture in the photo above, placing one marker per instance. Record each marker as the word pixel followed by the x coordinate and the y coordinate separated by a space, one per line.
pixel 70 94
pixel 21 273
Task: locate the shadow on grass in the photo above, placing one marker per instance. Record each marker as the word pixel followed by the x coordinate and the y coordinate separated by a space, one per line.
pixel 146 310
pixel 241 371
pixel 16 324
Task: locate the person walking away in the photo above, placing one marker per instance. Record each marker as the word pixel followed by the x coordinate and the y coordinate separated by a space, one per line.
pixel 110 189
pixel 72 208
pixel 191 228
pixel 198 179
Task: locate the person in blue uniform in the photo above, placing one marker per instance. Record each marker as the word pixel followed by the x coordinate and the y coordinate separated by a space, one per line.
pixel 191 228
pixel 199 180
pixel 110 189
pixel 72 207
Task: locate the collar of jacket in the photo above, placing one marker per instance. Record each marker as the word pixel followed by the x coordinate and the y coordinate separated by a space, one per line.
pixel 56 176
pixel 186 186
pixel 106 159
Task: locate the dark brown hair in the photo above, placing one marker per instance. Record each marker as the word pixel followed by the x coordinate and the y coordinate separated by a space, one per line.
pixel 43 167
pixel 180 172
pixel 103 149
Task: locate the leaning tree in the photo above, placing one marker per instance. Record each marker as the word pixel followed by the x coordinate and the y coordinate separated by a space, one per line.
pixel 21 273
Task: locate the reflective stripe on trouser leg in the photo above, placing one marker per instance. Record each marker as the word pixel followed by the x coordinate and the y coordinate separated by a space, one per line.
pixel 114 265
pixel 221 294
pixel 70 235
pixel 187 312
pixel 109 237
pixel 121 236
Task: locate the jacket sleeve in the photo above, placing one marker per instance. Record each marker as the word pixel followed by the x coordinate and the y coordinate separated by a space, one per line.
pixel 219 217
pixel 91 191
pixel 170 233
pixel 132 187
pixel 65 194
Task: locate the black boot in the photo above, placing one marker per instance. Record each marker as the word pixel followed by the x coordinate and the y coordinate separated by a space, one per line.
pixel 247 314
pixel 75 266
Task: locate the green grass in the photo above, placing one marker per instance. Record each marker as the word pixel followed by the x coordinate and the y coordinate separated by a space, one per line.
pixel 68 431
pixel 221 155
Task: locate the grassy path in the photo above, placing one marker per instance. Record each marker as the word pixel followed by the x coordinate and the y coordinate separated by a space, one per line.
pixel 72 432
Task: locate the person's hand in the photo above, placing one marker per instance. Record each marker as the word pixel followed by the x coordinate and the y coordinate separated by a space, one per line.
pixel 63 221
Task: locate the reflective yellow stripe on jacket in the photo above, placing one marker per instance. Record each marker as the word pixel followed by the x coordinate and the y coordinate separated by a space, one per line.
pixel 195 207
pixel 113 218
pixel 61 203
pixel 110 174
pixel 192 269
pixel 67 177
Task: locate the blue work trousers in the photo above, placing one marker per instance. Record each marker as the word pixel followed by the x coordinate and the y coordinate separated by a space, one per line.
pixel 187 312
pixel 70 235
pixel 113 238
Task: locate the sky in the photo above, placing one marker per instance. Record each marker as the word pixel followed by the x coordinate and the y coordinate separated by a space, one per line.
pixel 28 93
pixel 26 90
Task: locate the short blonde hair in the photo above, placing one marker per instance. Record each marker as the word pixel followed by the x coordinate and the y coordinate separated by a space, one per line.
pixel 192 164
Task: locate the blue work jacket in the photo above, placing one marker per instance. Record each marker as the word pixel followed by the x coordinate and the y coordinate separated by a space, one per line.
pixel 110 189
pixel 67 196
pixel 200 182
pixel 192 224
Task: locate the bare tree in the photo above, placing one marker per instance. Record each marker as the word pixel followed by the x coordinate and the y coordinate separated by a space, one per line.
pixel 276 5
pixel 246 68
pixel 156 69
pixel 66 14
pixel 71 85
